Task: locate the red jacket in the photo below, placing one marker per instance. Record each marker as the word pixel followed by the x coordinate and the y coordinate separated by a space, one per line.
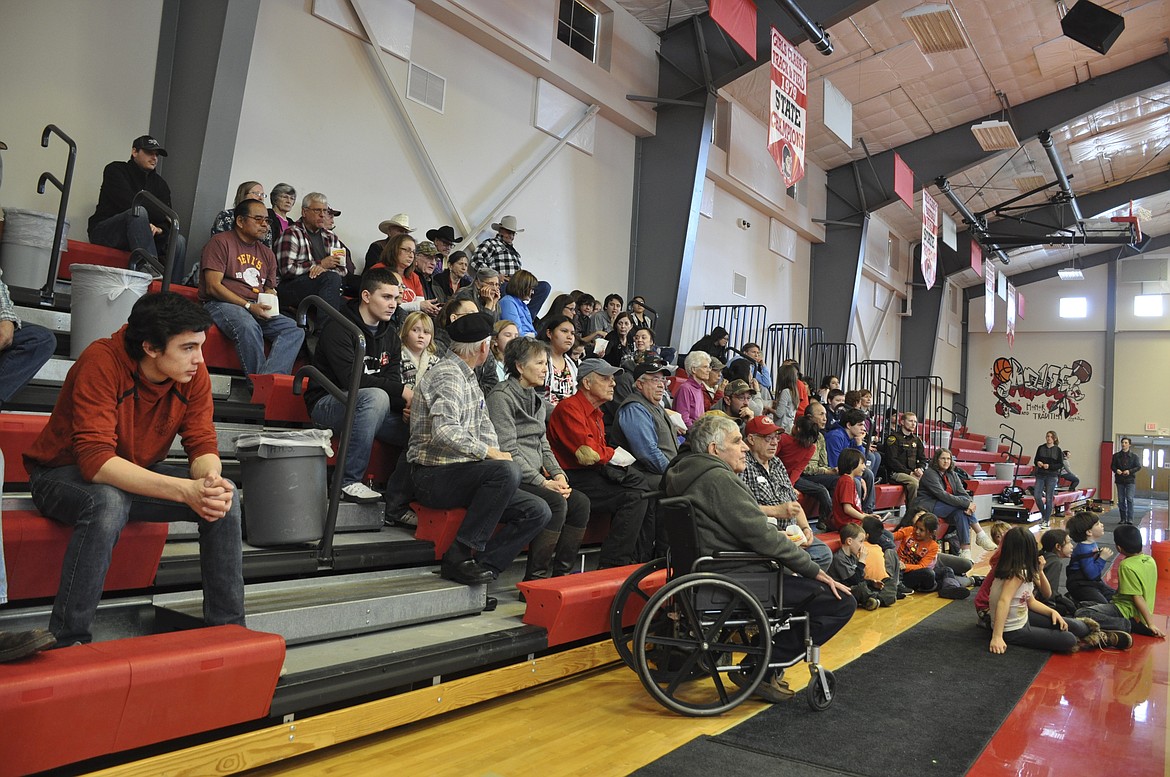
pixel 576 422
pixel 795 456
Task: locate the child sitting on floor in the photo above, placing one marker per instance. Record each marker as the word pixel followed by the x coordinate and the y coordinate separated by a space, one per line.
pixel 917 551
pixel 1056 547
pixel 848 566
pixel 1019 618
pixel 881 565
pixel 1088 562
pixel 1137 582
pixel 982 597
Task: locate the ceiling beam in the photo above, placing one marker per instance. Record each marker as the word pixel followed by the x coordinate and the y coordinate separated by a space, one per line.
pixel 955 150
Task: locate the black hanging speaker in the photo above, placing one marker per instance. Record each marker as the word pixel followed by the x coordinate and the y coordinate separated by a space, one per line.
pixel 1092 26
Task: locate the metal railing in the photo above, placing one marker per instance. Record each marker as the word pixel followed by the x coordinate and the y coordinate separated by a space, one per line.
pixel 48 291
pixel 924 395
pixel 167 267
pixel 744 323
pixel 881 378
pixel 830 359
pixel 349 398
pixel 791 341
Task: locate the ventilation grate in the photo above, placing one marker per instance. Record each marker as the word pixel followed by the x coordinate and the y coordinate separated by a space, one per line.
pixel 426 87
pixel 739 285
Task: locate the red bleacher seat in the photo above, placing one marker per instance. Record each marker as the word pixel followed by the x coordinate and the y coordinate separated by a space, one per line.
pixel 960 443
pixel 986 486
pixel 889 496
pixel 441 526
pixel 68 705
pixel 575 607
pixel 77 252
pixel 218 351
pixel 18 431
pixel 1062 501
pixel 34 548
pixel 275 393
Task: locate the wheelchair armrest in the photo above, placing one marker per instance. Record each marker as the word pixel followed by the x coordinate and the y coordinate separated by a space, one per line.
pixel 739 555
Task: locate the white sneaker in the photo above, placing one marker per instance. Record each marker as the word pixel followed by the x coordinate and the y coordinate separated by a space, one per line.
pixel 360 493
pixel 409 518
pixel 984 541
pixel 965 553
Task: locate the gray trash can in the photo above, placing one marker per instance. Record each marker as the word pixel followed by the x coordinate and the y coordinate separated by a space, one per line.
pixel 991 444
pixel 27 246
pixel 102 300
pixel 285 490
pixel 1005 470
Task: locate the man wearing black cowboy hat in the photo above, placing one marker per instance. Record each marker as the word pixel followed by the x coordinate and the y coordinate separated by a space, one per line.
pixel 116 223
pixel 444 239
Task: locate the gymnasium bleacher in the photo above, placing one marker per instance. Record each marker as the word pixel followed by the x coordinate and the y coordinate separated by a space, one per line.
pixel 360 613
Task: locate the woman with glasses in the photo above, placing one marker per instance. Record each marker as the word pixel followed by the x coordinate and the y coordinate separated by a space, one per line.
pixel 226 220
pixel 398 256
pixel 284 196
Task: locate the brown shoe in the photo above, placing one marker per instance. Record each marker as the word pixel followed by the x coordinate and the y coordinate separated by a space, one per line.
pixel 15 645
pixel 774 690
pixel 1119 640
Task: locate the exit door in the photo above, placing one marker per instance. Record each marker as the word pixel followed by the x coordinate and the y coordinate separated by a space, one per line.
pixel 1154 479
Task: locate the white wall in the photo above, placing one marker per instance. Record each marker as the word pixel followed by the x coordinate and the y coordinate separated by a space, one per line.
pixel 948 340
pixel 330 128
pixel 89 69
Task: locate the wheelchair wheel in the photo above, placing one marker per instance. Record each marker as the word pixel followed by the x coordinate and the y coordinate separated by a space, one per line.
pixel 630 595
pixel 821 695
pixel 695 632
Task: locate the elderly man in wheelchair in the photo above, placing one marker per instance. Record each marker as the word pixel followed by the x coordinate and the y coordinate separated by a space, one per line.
pixel 731 584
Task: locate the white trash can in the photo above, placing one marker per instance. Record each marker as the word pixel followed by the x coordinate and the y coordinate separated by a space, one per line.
pixel 102 299
pixel 27 246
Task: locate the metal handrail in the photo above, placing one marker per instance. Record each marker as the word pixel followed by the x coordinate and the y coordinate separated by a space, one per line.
pixel 350 398
pixel 960 412
pixel 1012 446
pixel 48 291
pixel 168 265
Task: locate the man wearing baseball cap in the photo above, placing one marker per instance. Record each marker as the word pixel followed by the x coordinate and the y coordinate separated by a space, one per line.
pixel 117 224
pixel 457 462
pixel 736 402
pixel 576 434
pixel 643 423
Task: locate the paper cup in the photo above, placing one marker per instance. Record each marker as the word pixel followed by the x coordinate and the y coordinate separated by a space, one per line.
pixel 272 301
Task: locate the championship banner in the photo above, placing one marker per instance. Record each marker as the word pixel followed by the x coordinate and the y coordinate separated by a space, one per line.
pixel 989 295
pixel 789 109
pixel 929 239
pixel 1011 316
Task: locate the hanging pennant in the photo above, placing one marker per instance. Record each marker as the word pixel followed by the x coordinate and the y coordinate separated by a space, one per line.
pixel 989 295
pixel 929 239
pixel 903 181
pixel 977 257
pixel 738 20
pixel 1011 315
pixel 789 109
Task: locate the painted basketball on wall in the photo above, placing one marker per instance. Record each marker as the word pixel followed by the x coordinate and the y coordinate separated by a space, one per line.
pixel 1002 371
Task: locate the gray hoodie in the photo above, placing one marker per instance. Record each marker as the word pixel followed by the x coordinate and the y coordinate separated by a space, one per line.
pixel 727 518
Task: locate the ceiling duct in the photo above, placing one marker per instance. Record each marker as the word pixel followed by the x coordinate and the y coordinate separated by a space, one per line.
pixel 977 225
pixel 817 35
pixel 1062 179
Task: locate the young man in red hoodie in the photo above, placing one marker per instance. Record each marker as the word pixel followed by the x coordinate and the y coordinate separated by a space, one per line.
pixel 97 464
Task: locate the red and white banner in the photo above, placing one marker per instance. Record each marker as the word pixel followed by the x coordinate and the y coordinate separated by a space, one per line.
pixel 929 239
pixel 789 109
pixel 989 295
pixel 1011 316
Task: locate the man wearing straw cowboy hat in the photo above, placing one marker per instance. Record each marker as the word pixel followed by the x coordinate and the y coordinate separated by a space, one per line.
pixel 501 255
pixel 398 224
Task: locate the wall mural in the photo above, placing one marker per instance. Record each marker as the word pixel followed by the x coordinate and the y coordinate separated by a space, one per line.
pixel 1050 392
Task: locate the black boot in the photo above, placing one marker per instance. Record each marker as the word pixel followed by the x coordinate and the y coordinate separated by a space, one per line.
pixel 540 555
pixel 567 553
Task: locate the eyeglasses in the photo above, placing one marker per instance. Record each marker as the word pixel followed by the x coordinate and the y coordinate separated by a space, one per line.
pixel 258 219
pixel 258 195
pixel 320 211
pixel 405 250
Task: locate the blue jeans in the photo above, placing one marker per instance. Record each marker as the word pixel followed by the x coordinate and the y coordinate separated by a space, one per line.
pixel 956 517
pixel 249 333
pixel 539 295
pixel 1125 492
pixel 869 501
pixel 295 288
pixel 31 347
pixel 373 418
pixel 489 490
pixel 130 230
pixel 1045 491
pixel 98 514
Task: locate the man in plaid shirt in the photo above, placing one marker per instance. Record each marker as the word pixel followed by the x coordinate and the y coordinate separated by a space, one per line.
pixel 310 258
pixel 768 482
pixel 457 461
pixel 501 255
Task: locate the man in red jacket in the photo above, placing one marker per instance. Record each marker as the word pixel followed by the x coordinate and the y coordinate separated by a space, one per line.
pixel 97 464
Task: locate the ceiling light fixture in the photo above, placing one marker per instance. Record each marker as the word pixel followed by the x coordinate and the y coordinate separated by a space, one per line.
pixel 995 135
pixel 936 27
pixel 1072 272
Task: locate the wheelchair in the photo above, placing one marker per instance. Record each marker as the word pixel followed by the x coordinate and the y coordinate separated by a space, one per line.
pixel 702 643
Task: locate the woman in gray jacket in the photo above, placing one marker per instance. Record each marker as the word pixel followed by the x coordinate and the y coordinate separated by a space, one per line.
pixel 941 491
pixel 519 416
